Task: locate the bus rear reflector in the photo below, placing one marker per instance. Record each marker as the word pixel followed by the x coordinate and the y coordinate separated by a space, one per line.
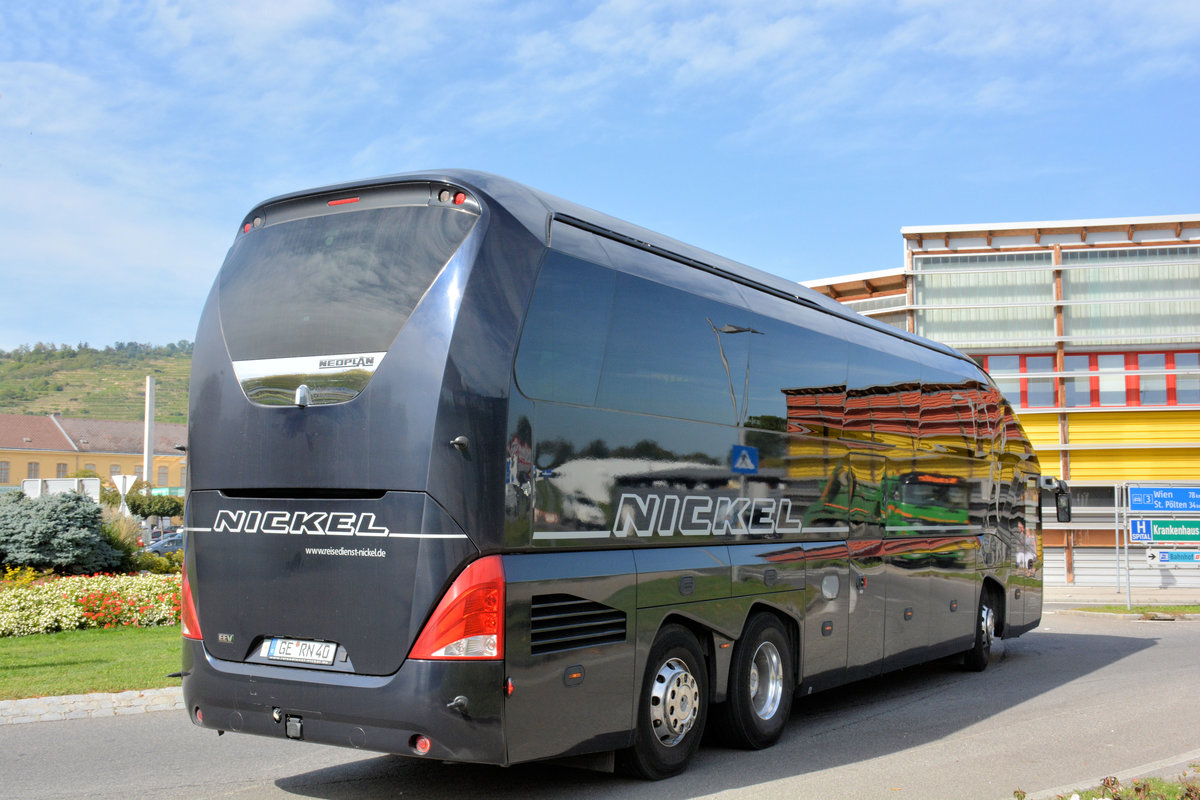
pixel 187 610
pixel 469 621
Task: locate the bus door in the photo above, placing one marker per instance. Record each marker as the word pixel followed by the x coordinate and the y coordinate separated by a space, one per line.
pixel 907 563
pixel 866 570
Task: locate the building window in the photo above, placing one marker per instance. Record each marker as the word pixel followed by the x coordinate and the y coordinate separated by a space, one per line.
pixel 33 470
pixel 1112 379
pixel 1039 392
pixel 3 472
pixel 91 467
pixel 1004 371
pixel 1187 379
pixel 1099 380
pixel 1077 391
pixel 114 470
pixel 162 476
pixel 60 470
pixel 1152 379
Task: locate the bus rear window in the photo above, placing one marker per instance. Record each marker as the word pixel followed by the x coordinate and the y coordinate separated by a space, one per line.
pixel 340 284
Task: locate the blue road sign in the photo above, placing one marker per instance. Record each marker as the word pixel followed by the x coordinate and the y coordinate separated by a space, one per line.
pixel 744 460
pixel 1164 498
pixel 1177 557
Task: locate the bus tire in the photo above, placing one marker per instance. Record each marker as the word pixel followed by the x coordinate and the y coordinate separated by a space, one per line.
pixel 672 708
pixel 976 659
pixel 761 686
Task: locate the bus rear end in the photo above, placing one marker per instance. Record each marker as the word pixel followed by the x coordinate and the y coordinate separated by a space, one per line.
pixel 328 595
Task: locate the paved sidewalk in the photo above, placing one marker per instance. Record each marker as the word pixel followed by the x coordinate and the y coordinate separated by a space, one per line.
pixel 87 706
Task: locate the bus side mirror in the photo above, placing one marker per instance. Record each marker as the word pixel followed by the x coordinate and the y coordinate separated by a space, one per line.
pixel 1062 506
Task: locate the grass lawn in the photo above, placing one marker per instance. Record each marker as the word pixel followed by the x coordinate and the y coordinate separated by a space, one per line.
pixel 97 660
pixel 1119 609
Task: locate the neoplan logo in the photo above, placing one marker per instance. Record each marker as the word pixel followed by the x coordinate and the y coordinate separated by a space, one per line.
pixel 342 363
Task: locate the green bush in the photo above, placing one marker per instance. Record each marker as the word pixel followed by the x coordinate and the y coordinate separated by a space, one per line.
pixel 171 563
pixel 57 531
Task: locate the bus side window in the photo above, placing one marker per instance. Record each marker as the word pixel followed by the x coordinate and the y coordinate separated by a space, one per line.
pixel 562 344
pixel 674 354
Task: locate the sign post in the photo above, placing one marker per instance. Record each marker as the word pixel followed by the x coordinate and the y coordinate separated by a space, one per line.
pixel 1160 516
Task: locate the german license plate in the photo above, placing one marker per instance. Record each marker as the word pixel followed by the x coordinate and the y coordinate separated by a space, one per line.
pixel 303 651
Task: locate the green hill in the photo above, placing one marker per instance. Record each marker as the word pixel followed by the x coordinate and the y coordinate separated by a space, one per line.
pixel 86 382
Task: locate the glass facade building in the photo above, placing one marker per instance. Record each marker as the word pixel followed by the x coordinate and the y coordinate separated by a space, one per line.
pixel 1091 328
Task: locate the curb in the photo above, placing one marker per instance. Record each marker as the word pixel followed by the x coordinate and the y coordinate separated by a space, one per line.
pixel 1133 617
pixel 90 706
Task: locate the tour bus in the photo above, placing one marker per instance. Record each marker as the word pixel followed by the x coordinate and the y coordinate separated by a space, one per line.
pixel 477 474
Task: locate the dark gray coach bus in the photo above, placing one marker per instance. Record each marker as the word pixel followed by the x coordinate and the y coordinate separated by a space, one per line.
pixel 477 474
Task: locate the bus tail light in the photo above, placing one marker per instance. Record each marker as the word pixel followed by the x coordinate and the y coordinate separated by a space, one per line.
pixel 469 621
pixel 188 619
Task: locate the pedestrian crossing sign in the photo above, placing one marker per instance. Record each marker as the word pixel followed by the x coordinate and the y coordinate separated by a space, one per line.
pixel 744 460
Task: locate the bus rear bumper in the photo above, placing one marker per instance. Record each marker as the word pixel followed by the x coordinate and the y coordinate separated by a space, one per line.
pixel 383 713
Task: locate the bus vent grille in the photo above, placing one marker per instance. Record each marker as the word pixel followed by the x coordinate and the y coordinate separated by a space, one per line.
pixel 563 622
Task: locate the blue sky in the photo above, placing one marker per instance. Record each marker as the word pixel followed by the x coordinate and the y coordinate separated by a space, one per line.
pixel 797 137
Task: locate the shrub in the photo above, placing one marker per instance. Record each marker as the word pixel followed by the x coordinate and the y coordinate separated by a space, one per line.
pixel 17 577
pixel 121 533
pixel 57 531
pixel 172 562
pixel 97 601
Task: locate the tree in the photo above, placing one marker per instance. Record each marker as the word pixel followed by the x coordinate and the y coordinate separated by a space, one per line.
pixel 158 505
pixel 56 531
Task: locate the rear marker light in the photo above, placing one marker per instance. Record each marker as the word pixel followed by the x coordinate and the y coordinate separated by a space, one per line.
pixel 459 199
pixel 343 201
pixel 421 745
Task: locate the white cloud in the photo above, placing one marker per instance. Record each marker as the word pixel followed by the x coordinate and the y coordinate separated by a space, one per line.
pixel 135 132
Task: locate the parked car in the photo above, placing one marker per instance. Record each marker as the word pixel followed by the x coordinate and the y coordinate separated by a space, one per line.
pixel 152 536
pixel 167 543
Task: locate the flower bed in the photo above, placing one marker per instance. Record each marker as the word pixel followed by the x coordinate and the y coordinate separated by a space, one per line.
pixel 97 601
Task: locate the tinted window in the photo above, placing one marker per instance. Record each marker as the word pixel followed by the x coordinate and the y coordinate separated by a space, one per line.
pixel 883 389
pixel 594 336
pixel 334 284
pixel 562 346
pixel 674 354
pixel 798 375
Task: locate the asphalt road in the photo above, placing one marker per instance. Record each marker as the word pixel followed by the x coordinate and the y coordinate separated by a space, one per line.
pixel 1079 698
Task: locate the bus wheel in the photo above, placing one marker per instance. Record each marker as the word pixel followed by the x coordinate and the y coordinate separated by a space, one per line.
pixel 761 685
pixel 976 659
pixel 671 710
